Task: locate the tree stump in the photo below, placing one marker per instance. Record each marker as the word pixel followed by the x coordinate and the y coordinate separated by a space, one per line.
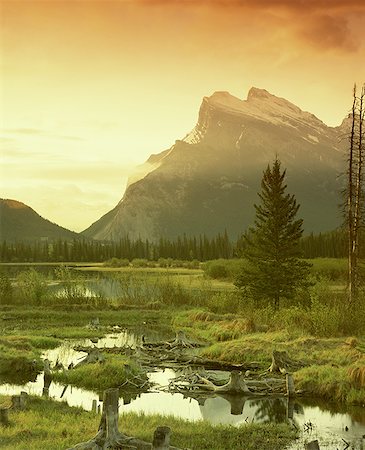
pixel 108 436
pixel 19 402
pixel 4 417
pixel 313 445
pixel 161 438
pixel 47 378
pixel 181 340
pixel 236 384
pixel 93 356
pixel 282 363
pixel 290 388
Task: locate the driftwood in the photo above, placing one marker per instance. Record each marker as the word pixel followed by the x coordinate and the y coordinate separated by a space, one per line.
pixel 109 437
pixel 236 384
pixel 166 355
pixel 180 342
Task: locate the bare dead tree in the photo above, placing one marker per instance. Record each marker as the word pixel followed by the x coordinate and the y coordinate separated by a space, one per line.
pixel 355 189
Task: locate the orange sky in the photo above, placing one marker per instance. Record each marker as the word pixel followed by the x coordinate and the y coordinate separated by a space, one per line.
pixel 92 88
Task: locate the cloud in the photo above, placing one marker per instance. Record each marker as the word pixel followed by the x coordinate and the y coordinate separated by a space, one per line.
pixel 39 133
pixel 329 32
pixel 321 24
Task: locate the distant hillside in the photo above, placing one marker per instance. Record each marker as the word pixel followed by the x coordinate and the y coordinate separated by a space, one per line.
pixel 19 222
pixel 208 182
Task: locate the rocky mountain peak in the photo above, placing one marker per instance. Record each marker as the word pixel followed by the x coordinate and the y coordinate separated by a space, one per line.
pixel 208 182
pixel 256 93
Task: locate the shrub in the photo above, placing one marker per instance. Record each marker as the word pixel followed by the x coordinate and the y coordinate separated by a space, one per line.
pixel 116 262
pixel 224 268
pixel 33 286
pixel 139 262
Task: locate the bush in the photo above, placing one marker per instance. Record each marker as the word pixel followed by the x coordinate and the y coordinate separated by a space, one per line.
pixel 224 268
pixel 139 262
pixel 116 262
pixel 74 288
pixel 33 286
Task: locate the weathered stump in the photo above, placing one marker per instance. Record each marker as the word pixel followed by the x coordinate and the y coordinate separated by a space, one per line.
pixel 290 388
pixel 4 417
pixel 282 363
pixel 93 356
pixel 161 438
pixel 47 378
pixel 181 340
pixel 235 385
pixel 19 402
pixel 109 437
pixel 313 445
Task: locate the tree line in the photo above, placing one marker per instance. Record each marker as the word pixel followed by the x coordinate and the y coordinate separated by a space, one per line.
pixel 202 248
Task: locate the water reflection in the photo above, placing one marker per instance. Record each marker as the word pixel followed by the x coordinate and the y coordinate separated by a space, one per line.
pixel 330 420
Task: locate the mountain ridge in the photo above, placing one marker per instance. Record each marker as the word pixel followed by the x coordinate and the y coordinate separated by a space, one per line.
pixel 20 222
pixel 208 181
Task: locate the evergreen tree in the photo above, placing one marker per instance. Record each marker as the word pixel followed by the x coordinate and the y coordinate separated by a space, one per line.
pixel 274 269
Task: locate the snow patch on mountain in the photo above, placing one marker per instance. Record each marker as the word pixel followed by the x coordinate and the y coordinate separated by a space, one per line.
pixel 262 105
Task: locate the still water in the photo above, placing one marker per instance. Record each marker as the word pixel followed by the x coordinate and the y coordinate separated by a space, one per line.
pixel 330 424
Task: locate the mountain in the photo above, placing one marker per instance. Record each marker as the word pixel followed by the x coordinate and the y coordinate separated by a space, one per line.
pixel 208 181
pixel 19 222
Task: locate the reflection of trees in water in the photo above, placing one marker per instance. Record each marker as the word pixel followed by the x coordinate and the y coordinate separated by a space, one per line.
pixel 270 409
pixel 356 413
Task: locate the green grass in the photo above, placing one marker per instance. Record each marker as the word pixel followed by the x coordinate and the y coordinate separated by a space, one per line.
pixel 47 322
pixel 113 372
pixel 330 382
pixel 48 425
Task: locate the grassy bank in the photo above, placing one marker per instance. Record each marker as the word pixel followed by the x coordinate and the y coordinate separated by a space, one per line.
pixel 26 332
pixel 55 426
pixel 333 368
pixel 315 328
pixel 113 372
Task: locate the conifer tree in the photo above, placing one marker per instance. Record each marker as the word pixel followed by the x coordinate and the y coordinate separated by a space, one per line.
pixel 274 270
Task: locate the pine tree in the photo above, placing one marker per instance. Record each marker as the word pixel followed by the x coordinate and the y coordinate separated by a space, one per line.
pixel 274 270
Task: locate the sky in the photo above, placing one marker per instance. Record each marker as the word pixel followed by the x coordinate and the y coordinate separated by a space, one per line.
pixel 89 89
